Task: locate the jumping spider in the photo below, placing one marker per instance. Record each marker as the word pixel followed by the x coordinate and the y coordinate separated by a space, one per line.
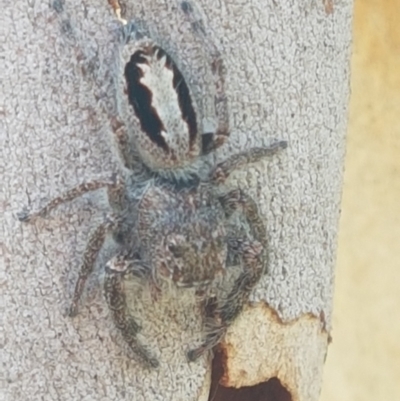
pixel 171 219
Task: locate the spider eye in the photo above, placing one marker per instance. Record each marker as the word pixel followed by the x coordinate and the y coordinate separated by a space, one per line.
pixel 177 250
pixel 207 142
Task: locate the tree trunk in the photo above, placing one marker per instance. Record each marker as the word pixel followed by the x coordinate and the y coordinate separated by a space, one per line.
pixel 287 78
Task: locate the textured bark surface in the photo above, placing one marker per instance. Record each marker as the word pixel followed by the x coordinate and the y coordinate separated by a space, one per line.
pixel 288 71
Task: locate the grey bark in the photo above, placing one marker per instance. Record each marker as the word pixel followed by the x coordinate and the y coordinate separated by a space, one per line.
pixel 288 78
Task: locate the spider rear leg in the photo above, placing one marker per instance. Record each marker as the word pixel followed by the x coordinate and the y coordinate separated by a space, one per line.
pixel 223 316
pixel 222 171
pixel 215 140
pixel 93 247
pixel 114 291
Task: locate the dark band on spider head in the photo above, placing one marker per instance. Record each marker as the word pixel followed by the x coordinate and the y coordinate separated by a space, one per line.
pixel 140 98
pixel 184 99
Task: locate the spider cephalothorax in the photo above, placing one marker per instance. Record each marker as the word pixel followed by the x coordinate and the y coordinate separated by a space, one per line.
pixel 162 103
pixel 171 217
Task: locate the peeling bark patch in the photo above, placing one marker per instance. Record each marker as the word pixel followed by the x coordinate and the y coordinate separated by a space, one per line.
pixel 302 345
pixel 272 390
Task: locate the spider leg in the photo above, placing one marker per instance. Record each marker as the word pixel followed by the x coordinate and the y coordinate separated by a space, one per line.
pixel 215 140
pixel 114 291
pixel 222 171
pixel 111 83
pixel 238 199
pixel 253 256
pixel 93 247
pixel 222 317
pixel 102 68
pixel 107 81
pixel 114 185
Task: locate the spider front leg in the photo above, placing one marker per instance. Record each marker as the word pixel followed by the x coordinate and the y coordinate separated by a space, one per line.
pixel 123 142
pixel 114 291
pixel 99 68
pixel 222 171
pixel 214 140
pixel 223 316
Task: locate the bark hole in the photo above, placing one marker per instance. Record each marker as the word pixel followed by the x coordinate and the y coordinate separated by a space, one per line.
pixel 272 390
